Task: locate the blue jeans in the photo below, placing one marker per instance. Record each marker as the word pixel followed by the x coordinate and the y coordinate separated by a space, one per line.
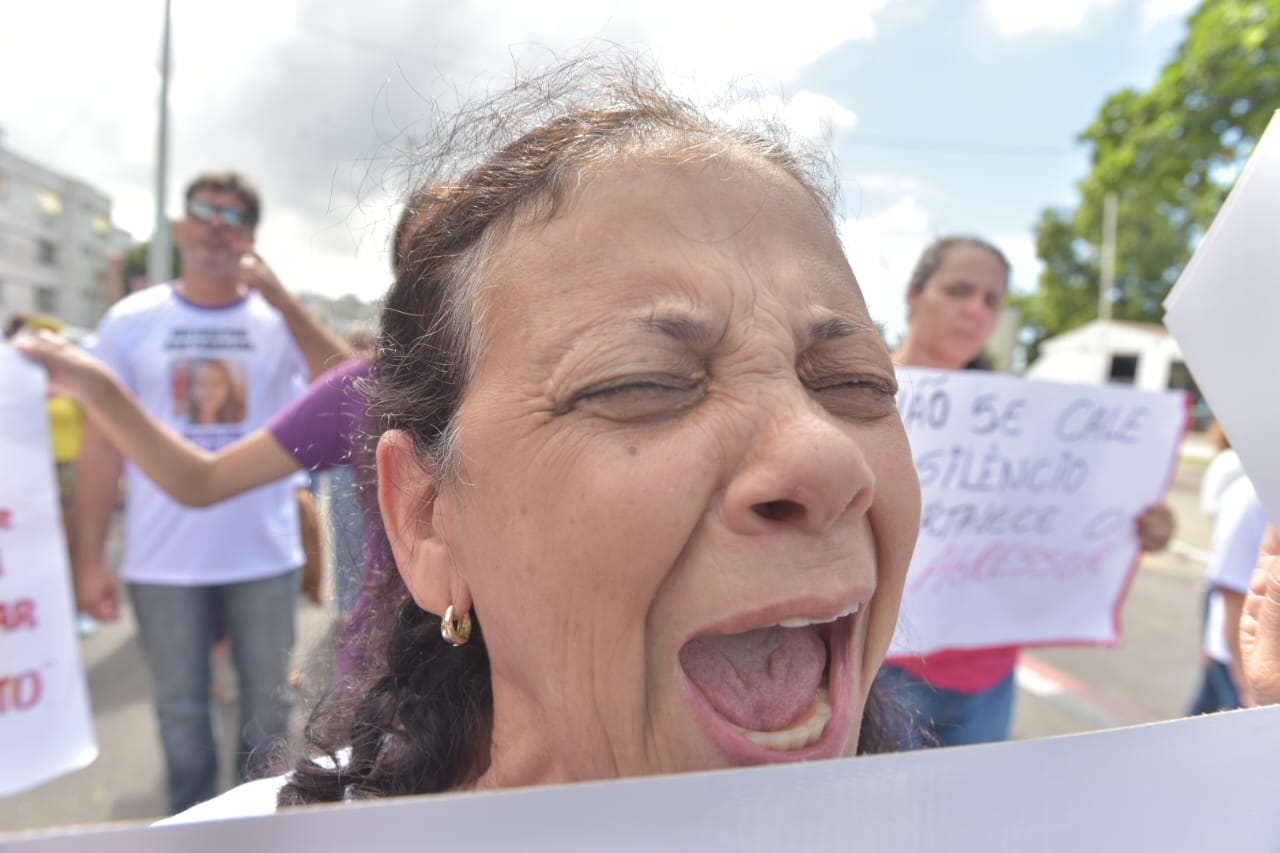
pixel 949 717
pixel 346 520
pixel 178 626
pixel 1217 691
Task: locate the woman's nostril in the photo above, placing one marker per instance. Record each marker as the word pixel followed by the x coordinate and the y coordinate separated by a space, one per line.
pixel 778 510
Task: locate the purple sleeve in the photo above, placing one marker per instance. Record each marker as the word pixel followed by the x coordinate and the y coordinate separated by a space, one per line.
pixel 320 428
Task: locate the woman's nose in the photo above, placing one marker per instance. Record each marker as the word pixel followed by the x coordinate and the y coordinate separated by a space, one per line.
pixel 804 468
pixel 977 306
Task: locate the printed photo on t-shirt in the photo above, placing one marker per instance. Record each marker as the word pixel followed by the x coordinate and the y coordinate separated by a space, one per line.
pixel 209 391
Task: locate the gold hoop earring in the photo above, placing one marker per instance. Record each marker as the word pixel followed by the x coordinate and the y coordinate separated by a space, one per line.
pixel 455 633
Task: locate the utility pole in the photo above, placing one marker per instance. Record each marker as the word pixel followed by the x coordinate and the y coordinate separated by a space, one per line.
pixel 1108 283
pixel 160 257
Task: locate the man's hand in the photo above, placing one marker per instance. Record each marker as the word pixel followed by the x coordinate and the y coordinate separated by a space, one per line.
pixel 321 348
pixel 1260 624
pixel 257 274
pixel 97 592
pixel 1155 527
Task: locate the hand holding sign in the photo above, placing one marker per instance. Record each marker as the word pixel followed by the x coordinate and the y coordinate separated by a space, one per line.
pixel 71 371
pixel 1030 494
pixel 1155 527
pixel 80 376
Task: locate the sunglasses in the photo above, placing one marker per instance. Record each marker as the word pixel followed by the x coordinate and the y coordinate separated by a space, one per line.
pixel 208 212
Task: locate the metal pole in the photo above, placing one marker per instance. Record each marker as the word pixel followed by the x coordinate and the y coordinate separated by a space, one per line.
pixel 1108 283
pixel 160 257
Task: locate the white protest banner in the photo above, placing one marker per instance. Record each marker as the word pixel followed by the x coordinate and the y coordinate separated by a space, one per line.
pixel 1030 491
pixel 1206 783
pixel 1225 314
pixel 46 727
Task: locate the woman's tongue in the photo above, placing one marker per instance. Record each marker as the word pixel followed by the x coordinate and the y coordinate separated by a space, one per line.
pixel 763 680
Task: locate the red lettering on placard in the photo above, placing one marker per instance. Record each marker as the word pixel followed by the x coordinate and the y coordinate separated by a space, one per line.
pixel 959 564
pixel 6 519
pixel 20 692
pixel 16 615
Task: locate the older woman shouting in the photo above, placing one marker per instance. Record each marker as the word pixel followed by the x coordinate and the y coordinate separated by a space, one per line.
pixel 642 472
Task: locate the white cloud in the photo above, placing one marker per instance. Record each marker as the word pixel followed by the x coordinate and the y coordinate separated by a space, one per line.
pixel 818 116
pixel 1156 12
pixel 882 249
pixel 896 184
pixel 312 98
pixel 714 42
pixel 809 115
pixel 1020 249
pixel 1016 17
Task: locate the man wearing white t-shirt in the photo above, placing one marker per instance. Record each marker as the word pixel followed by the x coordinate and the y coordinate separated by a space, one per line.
pixel 212 355
pixel 1237 536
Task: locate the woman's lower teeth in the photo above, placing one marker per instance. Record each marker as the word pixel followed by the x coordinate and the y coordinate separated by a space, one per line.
pixel 802 734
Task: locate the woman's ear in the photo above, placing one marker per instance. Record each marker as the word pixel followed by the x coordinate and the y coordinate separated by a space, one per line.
pixel 407 497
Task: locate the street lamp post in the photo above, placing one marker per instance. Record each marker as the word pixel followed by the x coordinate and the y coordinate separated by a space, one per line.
pixel 160 256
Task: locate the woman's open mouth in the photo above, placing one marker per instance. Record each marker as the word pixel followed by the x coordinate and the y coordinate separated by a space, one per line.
pixel 769 694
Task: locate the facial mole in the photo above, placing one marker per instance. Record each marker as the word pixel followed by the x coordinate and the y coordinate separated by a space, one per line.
pixel 631 451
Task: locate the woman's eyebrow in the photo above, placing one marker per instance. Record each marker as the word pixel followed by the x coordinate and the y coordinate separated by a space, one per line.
pixel 696 333
pixel 683 328
pixel 835 328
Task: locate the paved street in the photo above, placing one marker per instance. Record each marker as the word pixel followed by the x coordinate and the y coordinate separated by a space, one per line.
pixel 1149 677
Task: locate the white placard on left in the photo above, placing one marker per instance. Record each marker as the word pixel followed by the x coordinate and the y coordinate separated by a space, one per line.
pixel 46 725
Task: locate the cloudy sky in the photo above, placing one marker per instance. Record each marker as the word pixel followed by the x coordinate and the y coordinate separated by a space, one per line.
pixel 943 115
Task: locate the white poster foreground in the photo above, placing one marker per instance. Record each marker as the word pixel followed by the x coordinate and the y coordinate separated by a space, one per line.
pixel 1207 783
pixel 1225 314
pixel 46 727
pixel 1030 491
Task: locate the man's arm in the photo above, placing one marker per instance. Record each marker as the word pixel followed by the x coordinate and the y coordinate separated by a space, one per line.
pixel 97 489
pixel 321 348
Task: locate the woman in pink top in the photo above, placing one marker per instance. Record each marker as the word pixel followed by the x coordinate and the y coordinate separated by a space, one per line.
pixel 965 696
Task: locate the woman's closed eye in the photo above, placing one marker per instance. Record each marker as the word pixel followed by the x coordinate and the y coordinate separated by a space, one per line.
pixel 641 398
pixel 857 397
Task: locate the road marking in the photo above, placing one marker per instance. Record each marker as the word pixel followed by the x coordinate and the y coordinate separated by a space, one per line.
pixel 1191 552
pixel 1046 682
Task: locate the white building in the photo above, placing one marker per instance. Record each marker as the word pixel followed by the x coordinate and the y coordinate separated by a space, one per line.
pixel 344 314
pixel 1143 355
pixel 55 238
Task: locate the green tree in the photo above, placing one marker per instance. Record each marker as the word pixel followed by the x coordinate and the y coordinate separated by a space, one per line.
pixel 135 265
pixel 1170 154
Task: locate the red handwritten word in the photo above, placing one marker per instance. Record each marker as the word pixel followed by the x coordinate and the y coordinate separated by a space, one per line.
pixel 6 519
pixel 16 615
pixel 958 564
pixel 20 692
